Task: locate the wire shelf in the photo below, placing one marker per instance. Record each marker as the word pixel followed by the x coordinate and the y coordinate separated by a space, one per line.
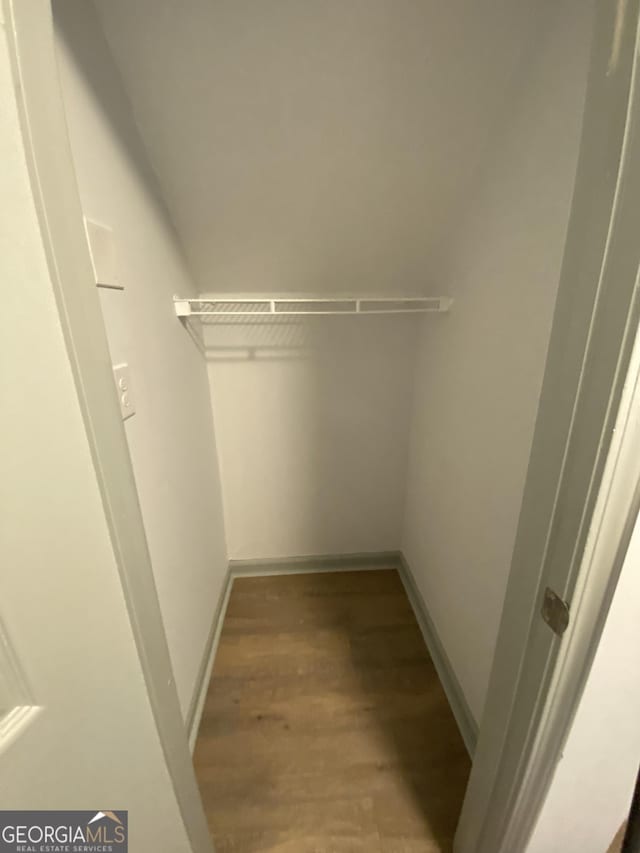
pixel 287 306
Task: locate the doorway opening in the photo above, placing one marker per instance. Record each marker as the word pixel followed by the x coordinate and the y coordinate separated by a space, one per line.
pixel 463 606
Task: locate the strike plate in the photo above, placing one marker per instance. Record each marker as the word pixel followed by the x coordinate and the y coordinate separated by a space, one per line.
pixel 555 612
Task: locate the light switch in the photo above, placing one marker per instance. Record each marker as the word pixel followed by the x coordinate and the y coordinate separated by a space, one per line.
pixel 122 376
pixel 102 249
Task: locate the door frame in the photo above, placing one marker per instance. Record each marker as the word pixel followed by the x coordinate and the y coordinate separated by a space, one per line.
pixel 581 490
pixel 28 26
pixel 525 719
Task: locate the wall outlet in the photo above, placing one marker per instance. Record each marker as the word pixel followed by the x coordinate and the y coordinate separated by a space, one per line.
pixel 122 376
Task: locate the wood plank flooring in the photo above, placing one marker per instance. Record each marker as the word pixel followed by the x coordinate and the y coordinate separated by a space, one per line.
pixel 325 728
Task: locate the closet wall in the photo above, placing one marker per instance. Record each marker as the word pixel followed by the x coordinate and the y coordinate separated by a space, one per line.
pixel 366 146
pixel 479 373
pixel 312 419
pixel 171 436
pixel 315 148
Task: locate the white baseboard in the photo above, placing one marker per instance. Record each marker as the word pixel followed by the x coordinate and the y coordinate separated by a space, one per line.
pixel 337 563
pixel 316 563
pixel 461 711
pixel 194 715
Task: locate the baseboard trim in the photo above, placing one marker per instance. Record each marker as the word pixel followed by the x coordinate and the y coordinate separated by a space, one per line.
pixel 194 714
pixel 315 563
pixel 379 560
pixel 461 711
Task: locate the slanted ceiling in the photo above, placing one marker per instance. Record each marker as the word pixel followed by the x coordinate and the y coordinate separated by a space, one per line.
pixel 319 145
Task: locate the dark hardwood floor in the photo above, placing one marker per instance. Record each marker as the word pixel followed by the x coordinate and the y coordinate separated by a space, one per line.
pixel 325 728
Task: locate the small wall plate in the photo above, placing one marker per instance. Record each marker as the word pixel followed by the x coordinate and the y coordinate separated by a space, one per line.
pixel 122 377
pixel 102 249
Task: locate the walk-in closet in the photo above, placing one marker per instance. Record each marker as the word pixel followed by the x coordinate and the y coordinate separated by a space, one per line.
pixel 327 237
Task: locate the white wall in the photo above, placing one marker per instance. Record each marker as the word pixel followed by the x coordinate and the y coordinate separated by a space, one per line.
pixel 94 741
pixel 330 147
pixel 316 146
pixel 312 420
pixel 591 791
pixel 381 146
pixel 171 436
pixel 480 371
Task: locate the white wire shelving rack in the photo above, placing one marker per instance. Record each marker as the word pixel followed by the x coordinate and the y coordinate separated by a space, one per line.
pixel 220 307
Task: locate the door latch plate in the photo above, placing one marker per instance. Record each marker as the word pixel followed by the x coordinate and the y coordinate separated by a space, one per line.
pixel 555 612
